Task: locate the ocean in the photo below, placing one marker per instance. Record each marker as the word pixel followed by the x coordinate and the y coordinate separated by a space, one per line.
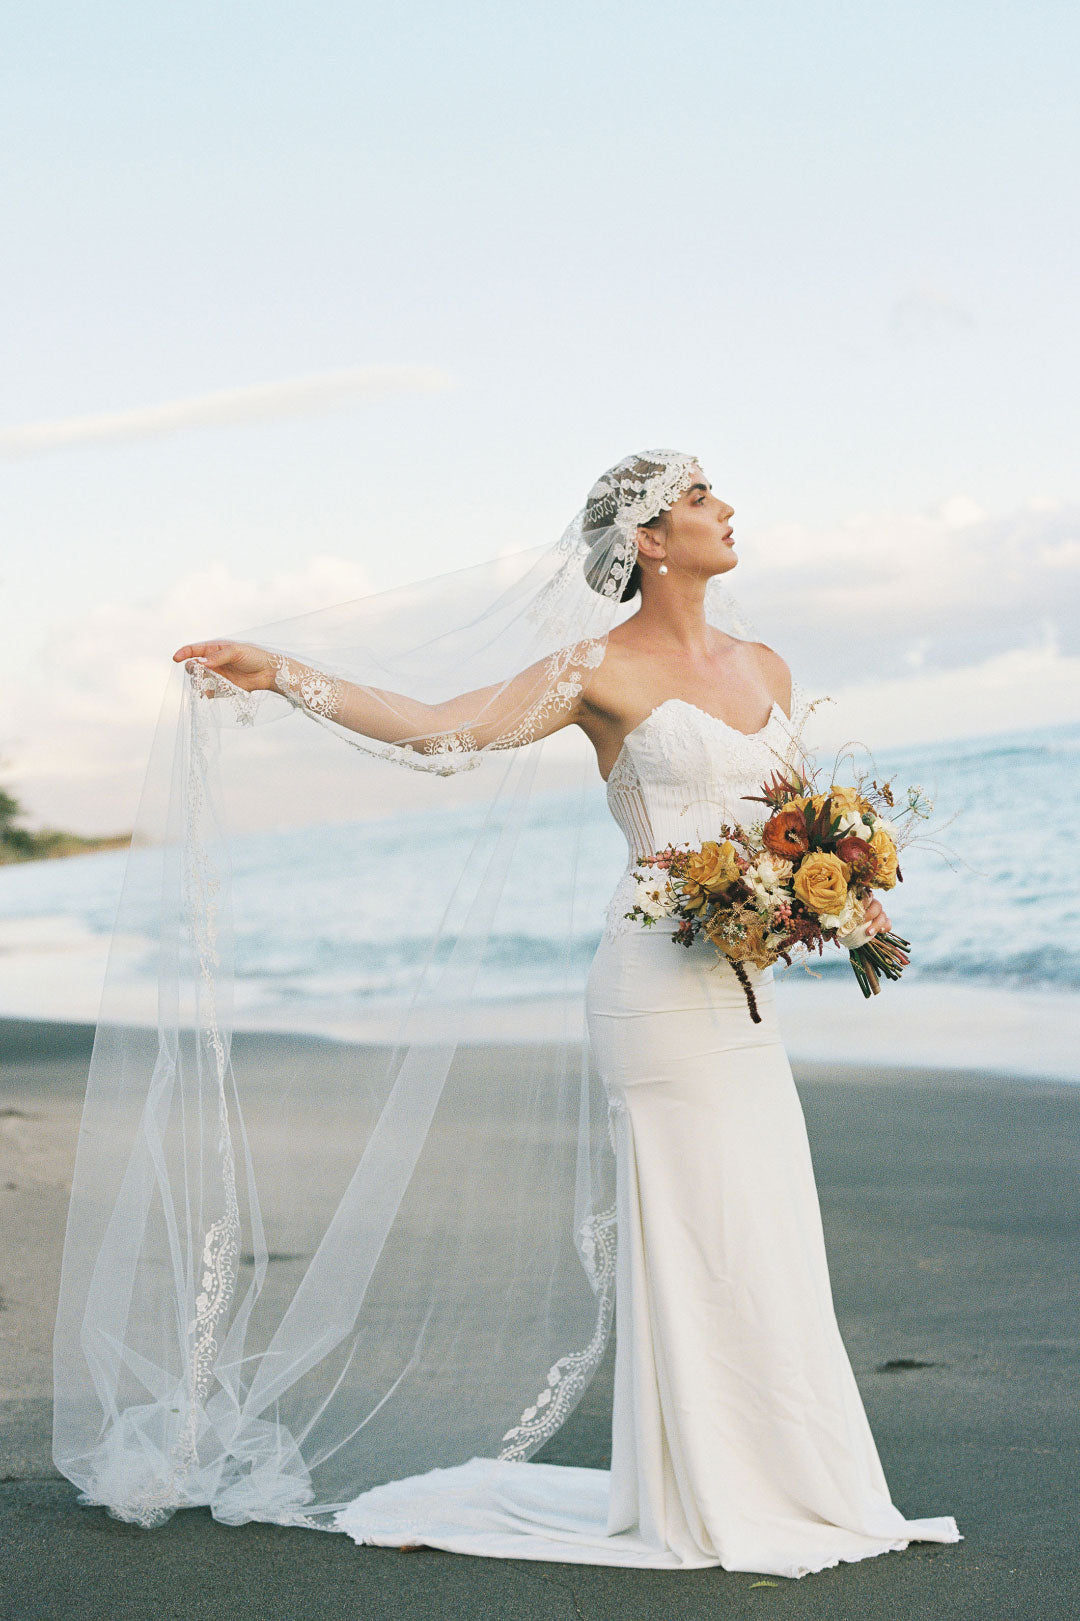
pixel 989 899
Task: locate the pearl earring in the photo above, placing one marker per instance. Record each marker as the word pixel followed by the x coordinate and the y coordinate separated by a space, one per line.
pixel 662 569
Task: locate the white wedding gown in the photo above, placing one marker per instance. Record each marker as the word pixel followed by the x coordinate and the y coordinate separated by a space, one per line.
pixel 739 1435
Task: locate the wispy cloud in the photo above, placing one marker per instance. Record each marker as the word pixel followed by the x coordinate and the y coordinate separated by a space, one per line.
pixel 256 402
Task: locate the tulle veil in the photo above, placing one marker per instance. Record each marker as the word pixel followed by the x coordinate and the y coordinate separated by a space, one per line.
pixel 286 1278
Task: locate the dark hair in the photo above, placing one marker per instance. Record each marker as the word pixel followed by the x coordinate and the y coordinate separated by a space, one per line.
pixel 632 583
pixel 599 514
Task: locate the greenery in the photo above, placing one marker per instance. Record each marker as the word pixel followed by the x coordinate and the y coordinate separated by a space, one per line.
pixel 20 844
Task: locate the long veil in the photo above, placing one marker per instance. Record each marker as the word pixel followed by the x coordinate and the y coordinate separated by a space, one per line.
pixel 296 1269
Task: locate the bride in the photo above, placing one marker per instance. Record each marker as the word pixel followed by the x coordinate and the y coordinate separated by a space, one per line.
pixel 739 1437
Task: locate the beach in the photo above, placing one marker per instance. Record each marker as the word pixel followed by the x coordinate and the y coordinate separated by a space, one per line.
pixel 952 1219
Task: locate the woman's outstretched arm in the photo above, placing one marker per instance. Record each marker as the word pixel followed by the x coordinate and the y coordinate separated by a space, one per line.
pixel 507 714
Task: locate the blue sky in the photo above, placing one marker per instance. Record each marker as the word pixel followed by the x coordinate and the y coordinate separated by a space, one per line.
pixel 831 248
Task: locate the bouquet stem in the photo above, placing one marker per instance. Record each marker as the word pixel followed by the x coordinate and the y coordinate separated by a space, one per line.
pixel 744 981
pixel 883 956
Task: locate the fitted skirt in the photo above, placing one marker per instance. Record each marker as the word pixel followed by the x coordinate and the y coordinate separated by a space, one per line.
pixel 739 1436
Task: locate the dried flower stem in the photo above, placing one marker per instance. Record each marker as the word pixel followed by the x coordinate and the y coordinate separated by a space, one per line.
pixel 743 979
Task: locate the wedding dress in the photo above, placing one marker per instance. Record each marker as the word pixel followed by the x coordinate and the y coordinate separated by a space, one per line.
pixel 316 1288
pixel 739 1435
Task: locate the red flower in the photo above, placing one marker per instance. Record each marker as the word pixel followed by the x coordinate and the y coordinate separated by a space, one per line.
pixel 785 834
pixel 859 857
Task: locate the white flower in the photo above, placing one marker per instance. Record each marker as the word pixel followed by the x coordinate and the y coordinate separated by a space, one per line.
pixel 653 893
pixel 853 823
pixel 848 917
pixel 768 875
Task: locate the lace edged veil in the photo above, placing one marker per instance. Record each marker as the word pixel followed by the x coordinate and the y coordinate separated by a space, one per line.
pixel 295 1269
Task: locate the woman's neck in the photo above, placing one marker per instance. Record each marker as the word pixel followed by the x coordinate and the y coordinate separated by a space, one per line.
pixel 673 612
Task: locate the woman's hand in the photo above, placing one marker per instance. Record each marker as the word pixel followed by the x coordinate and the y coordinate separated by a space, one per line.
pixel 239 662
pixel 875 919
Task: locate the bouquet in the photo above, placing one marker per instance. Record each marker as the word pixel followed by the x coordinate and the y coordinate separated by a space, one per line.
pixel 793 882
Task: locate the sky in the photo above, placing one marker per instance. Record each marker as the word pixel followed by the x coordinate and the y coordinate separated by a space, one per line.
pixel 302 303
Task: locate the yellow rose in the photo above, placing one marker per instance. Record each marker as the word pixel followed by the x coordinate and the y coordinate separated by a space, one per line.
pixel 821 881
pixel 885 858
pixel 715 868
pixel 800 804
pixel 845 800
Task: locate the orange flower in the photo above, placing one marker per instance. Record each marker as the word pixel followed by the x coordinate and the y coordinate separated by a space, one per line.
pixel 785 833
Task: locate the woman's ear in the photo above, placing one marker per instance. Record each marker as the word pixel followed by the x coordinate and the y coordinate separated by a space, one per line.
pixel 650 542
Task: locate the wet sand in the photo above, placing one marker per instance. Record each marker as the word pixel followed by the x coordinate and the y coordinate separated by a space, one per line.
pixel 951 1205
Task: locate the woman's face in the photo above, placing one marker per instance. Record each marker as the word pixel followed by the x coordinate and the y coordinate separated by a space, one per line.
pixel 696 537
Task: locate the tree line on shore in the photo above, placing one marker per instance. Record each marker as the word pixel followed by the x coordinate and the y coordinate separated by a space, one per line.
pixel 21 844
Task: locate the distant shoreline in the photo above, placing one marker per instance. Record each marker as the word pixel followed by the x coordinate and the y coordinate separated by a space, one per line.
pixel 51 845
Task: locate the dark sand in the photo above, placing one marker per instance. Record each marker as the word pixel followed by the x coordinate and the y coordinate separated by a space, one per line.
pixel 951 1204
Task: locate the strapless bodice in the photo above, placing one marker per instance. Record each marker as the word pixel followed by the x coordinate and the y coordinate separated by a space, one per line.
pixel 683 771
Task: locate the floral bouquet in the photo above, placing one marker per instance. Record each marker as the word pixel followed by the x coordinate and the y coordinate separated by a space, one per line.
pixel 793 882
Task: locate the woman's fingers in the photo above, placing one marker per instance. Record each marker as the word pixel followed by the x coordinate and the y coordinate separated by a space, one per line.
pixel 210 652
pixel 875 918
pixel 246 666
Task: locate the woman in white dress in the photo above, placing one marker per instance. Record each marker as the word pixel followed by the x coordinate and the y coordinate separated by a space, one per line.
pixel 739 1435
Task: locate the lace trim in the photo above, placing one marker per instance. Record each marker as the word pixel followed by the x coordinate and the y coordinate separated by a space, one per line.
pixel 616 1105
pixel 446 753
pixel 641 497
pixel 624 774
pixel 221 1241
pixel 208 684
pixel 307 688
pixel 563 681
pixel 447 743
pixel 568 1377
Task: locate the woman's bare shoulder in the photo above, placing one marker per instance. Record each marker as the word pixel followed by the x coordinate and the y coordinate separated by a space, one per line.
pixel 776 671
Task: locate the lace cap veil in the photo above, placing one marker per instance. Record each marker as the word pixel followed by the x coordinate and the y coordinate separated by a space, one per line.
pixel 298 1268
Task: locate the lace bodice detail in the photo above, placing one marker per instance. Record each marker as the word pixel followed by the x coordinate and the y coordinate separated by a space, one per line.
pixel 683 771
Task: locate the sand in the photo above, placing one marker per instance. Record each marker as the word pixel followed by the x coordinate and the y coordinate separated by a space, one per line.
pixel 951 1204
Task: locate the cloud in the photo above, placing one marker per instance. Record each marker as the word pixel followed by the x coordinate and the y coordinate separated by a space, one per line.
pixel 921 625
pixel 1013 691
pixel 257 402
pixel 885 592
pixel 80 718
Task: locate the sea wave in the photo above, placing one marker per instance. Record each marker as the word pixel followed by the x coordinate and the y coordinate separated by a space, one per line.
pixel 987 897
